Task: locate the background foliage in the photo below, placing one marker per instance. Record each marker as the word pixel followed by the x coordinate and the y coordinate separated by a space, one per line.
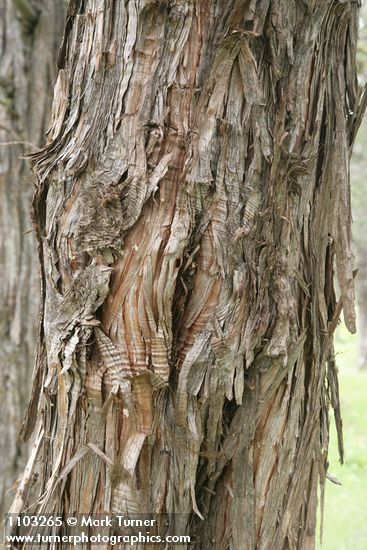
pixel 345 519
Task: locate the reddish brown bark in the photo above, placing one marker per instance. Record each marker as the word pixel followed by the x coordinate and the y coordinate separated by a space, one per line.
pixel 193 197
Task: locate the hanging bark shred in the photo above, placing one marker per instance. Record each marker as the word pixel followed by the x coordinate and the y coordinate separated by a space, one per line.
pixel 192 200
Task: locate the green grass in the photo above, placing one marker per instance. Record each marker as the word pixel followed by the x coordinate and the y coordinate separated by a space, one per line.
pixel 345 520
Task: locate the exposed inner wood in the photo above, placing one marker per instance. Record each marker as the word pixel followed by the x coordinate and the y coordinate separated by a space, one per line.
pixel 193 198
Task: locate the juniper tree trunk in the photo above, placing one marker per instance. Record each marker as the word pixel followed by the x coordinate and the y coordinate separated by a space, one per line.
pixel 192 201
pixel 29 33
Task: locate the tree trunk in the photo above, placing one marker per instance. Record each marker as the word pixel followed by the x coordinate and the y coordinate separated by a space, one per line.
pixel 192 200
pixel 28 42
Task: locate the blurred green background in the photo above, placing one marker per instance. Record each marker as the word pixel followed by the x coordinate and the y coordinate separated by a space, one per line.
pixel 345 515
pixel 345 518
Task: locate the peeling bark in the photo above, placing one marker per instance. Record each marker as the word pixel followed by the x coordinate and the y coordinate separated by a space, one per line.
pixel 192 200
pixel 28 46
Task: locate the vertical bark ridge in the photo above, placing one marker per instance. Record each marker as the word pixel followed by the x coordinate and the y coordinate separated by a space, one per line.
pixel 196 190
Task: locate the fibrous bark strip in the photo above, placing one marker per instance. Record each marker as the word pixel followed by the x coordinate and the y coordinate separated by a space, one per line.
pixel 193 198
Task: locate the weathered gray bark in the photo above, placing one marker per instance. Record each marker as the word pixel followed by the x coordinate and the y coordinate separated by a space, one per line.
pixel 28 44
pixel 193 198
